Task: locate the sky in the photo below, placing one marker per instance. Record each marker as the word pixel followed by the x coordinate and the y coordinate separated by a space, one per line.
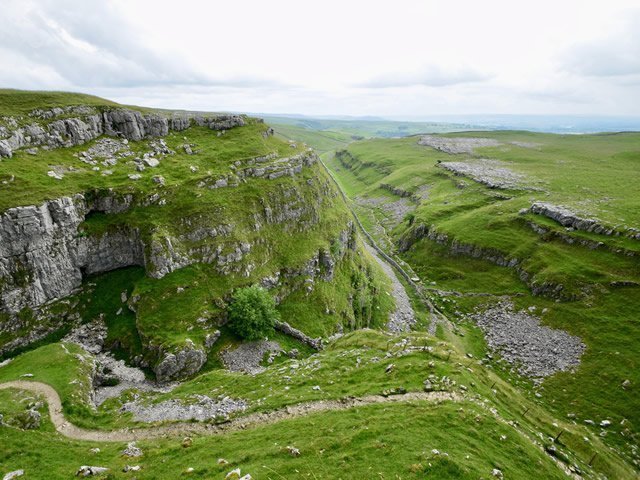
pixel 395 59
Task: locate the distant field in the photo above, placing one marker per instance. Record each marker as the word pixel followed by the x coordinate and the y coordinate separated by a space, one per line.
pixel 366 128
pixel 321 141
pixel 595 174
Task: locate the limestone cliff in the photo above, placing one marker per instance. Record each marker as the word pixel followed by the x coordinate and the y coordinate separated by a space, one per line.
pixel 90 124
pixel 239 215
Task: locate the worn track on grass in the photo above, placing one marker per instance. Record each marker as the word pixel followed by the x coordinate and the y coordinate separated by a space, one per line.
pixel 69 430
pixel 403 318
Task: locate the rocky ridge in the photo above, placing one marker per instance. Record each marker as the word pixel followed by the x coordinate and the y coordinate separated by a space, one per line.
pixel 495 256
pixel 492 173
pixel 92 123
pixel 568 218
pixel 457 145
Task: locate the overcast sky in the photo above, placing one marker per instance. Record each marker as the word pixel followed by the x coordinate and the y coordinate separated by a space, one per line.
pixel 388 58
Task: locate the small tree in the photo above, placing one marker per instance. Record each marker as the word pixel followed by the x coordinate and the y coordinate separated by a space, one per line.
pixel 252 312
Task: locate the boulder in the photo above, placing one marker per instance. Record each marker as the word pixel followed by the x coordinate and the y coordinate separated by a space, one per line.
pixel 181 364
pixel 132 450
pixel 151 162
pixel 5 149
pixel 14 474
pixel 87 471
pixel 29 419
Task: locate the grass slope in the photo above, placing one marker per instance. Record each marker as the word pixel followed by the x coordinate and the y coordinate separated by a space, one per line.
pixel 484 431
pixel 22 102
pixel 593 173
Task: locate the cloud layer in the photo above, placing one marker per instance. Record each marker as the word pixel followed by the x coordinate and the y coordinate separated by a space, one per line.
pixel 429 76
pixel 614 55
pixel 414 58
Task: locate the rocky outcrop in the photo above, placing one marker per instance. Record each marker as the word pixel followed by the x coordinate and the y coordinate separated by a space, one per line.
pixel 456 145
pixel 43 256
pixel 133 125
pixel 284 327
pixel 278 168
pixel 220 122
pixel 400 192
pixel 183 363
pixel 489 172
pixel 353 163
pixel 570 219
pixel 39 252
pixel 122 122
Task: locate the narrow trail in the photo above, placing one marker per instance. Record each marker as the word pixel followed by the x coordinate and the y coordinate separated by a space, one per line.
pixel 403 317
pixel 69 430
pixel 390 264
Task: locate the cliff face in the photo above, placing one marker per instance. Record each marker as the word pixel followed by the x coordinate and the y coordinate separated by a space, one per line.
pixel 90 124
pixel 231 212
pixel 44 255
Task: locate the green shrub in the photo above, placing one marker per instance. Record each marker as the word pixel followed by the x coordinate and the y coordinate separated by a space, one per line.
pixel 252 313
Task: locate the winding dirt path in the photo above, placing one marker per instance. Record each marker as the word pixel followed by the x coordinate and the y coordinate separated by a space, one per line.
pixel 188 428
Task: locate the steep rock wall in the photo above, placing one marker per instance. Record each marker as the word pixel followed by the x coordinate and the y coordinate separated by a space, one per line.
pixel 126 123
pixel 43 256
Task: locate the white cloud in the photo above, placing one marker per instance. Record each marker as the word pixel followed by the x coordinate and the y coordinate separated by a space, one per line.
pixel 616 54
pixel 430 76
pixel 409 57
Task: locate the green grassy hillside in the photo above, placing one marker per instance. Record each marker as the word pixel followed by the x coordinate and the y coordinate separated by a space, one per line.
pixel 371 127
pixel 436 402
pixel 177 208
pixel 23 102
pixel 489 425
pixel 586 283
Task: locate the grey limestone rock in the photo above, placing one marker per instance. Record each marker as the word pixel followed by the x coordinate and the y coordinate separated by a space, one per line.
pixel 14 474
pixel 29 419
pixel 88 471
pixel 536 350
pixel 456 145
pixel 284 327
pixel 132 450
pixel 568 218
pixel 45 257
pixel 130 124
pixel 184 362
pixel 5 149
